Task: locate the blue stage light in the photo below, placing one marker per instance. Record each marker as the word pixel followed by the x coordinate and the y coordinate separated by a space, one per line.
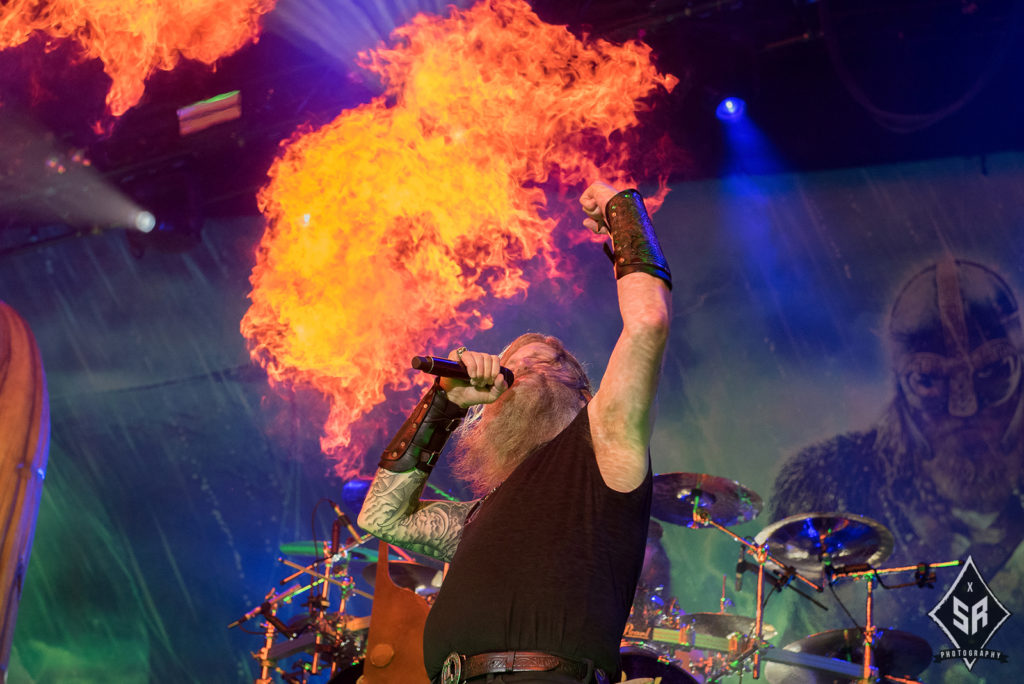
pixel 731 109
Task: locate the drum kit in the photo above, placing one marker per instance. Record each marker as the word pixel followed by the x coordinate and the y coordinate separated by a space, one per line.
pixel 803 553
pixel 324 640
pixel 662 643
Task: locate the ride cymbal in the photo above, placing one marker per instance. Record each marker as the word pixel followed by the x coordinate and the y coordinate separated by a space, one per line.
pixel 895 653
pixel 678 495
pixel 811 542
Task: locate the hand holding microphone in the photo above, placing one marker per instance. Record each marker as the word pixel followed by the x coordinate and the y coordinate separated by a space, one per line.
pixel 469 378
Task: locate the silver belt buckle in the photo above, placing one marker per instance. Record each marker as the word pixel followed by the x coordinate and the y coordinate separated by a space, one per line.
pixel 451 670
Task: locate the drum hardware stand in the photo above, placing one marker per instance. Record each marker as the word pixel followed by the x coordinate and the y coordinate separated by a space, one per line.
pixel 923 576
pixel 723 602
pixel 812 544
pixel 739 650
pixel 752 650
pixel 702 517
pixel 268 641
pixel 342 553
pixel 271 626
pixel 317 605
pixel 323 579
pixel 319 609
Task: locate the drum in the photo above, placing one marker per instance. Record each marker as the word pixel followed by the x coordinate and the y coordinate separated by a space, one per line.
pixel 641 662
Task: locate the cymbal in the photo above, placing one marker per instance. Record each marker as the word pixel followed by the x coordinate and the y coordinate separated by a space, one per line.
pixel 406 574
pixel 725 501
pixel 311 549
pixel 896 653
pixel 810 541
pixel 723 624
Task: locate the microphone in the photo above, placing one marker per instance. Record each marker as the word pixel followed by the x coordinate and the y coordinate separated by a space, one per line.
pixel 335 536
pixel 248 616
pixel 342 519
pixel 265 609
pixel 451 369
pixel 741 567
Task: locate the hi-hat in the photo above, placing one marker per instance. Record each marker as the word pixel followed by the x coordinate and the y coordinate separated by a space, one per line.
pixel 811 542
pixel 723 624
pixel 406 574
pixel 724 501
pixel 893 652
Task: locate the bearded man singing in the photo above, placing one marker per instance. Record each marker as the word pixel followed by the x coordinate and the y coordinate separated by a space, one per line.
pixel 545 564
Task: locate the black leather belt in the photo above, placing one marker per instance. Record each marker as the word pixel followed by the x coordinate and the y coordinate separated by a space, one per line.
pixel 459 668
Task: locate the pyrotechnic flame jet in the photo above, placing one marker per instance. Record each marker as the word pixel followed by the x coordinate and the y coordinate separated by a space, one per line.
pixel 134 40
pixel 394 229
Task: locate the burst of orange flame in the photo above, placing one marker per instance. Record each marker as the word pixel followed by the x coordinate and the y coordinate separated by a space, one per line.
pixel 390 227
pixel 135 39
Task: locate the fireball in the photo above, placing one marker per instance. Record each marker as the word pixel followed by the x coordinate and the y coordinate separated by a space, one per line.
pixel 391 229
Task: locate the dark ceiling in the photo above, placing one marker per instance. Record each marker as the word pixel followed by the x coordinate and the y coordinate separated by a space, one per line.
pixel 829 84
pixel 833 83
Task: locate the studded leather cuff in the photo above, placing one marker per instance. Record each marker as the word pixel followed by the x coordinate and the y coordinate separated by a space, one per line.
pixel 636 245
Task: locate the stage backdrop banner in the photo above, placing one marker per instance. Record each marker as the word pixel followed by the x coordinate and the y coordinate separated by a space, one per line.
pixel 843 342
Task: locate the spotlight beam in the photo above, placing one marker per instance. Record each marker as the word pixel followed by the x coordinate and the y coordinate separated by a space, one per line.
pixel 41 183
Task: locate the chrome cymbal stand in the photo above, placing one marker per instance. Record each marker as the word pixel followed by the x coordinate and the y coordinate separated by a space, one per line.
pixel 870 575
pixel 702 517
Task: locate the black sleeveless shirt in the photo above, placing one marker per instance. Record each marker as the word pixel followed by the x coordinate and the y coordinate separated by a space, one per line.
pixel 548 562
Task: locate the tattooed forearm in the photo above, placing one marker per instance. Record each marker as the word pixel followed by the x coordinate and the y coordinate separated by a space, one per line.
pixel 434 529
pixel 393 512
pixel 391 496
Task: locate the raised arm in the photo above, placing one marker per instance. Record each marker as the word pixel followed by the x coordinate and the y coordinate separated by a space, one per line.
pixel 393 510
pixel 621 417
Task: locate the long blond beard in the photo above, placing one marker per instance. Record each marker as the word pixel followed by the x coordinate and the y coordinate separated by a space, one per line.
pixel 528 415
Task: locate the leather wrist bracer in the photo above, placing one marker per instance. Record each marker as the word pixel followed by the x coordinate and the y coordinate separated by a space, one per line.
pixel 636 245
pixel 424 433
